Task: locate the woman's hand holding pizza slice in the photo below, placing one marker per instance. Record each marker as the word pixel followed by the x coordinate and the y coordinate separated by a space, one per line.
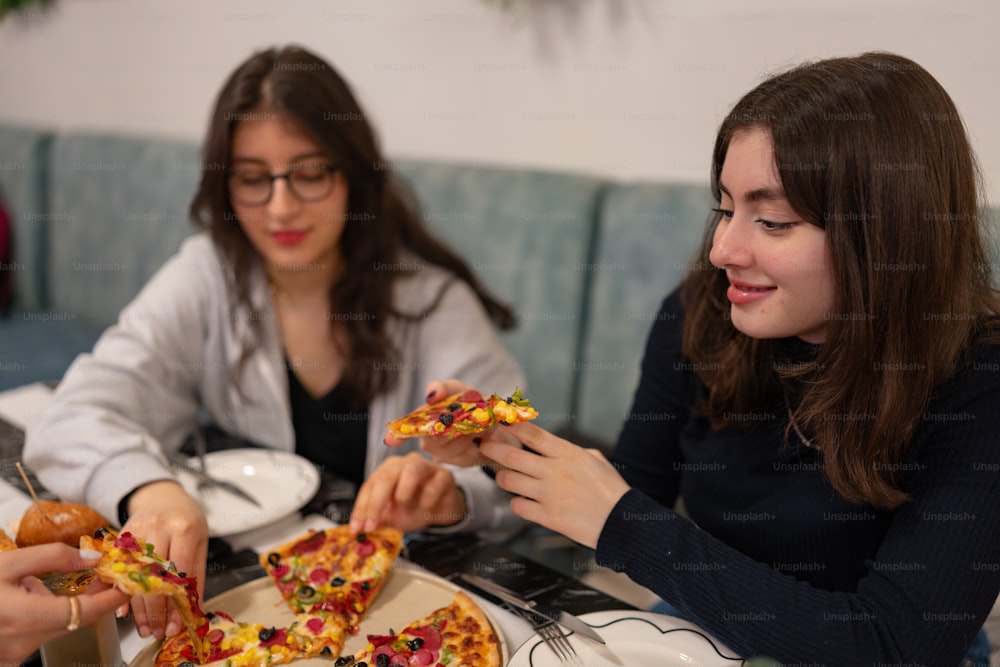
pixel 556 483
pixel 165 515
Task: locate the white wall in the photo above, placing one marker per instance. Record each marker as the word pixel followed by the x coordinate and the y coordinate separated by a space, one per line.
pixel 632 89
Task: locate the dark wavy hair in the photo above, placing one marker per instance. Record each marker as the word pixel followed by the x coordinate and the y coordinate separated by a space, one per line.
pixel 871 149
pixel 304 88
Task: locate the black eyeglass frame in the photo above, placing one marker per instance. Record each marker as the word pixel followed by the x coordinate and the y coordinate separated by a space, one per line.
pixel 271 178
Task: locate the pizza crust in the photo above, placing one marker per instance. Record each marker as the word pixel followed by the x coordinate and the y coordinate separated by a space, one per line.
pixel 484 650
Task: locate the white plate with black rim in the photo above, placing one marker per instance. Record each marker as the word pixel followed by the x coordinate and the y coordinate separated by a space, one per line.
pixel 634 639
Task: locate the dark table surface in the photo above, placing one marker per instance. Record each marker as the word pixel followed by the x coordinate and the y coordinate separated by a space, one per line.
pixel 11 444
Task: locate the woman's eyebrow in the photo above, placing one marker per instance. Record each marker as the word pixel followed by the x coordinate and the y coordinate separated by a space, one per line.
pixel 760 194
pixel 294 158
pixel 765 194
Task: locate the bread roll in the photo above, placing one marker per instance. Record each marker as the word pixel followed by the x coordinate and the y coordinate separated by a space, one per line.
pixel 57 522
pixel 6 544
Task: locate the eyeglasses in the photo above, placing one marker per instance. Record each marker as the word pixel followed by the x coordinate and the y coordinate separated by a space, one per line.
pixel 308 182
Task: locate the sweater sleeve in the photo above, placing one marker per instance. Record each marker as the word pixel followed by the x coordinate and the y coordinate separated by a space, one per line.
pixel 101 436
pixel 921 601
pixel 648 453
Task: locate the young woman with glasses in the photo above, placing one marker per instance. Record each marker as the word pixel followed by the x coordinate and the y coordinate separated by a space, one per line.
pixel 314 308
pixel 825 396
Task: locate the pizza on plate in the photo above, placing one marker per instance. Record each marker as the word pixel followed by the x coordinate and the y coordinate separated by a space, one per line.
pixel 237 644
pixel 458 635
pixel 328 578
pixel 466 413
pixel 333 571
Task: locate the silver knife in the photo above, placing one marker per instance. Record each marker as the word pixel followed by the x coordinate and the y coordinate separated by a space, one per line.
pixel 215 481
pixel 563 618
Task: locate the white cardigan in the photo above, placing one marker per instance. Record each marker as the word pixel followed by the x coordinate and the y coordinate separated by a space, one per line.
pixel 122 410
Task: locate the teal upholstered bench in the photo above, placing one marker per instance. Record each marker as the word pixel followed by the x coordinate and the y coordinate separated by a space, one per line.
pixel 586 261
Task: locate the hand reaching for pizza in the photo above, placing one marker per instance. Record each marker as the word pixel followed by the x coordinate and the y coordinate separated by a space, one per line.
pixel 559 485
pixel 171 520
pixel 31 614
pixel 408 492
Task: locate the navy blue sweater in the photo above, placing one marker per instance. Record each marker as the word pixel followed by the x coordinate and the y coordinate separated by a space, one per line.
pixel 775 562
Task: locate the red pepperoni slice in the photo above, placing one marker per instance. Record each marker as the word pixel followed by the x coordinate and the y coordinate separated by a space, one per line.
pixel 310 544
pixel 278 639
pixel 421 657
pixel 471 396
pixel 128 542
pixel 430 635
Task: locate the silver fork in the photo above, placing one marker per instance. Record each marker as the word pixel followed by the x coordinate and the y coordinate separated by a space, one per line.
pixel 557 641
pixel 207 481
pixel 204 481
pixel 550 633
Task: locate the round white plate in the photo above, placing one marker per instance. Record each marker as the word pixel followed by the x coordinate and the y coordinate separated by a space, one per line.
pixel 407 595
pixel 634 639
pixel 281 482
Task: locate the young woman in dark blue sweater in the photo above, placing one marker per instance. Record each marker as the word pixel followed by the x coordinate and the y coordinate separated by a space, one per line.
pixel 826 392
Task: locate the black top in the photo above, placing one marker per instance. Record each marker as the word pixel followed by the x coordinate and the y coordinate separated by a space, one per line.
pixel 778 563
pixel 328 431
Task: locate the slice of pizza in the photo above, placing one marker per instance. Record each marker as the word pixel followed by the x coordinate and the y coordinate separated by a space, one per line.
pixel 458 635
pixel 233 644
pixel 236 643
pixel 333 572
pixel 132 566
pixel 466 413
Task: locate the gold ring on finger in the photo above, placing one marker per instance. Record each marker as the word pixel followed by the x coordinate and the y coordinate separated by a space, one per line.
pixel 74 614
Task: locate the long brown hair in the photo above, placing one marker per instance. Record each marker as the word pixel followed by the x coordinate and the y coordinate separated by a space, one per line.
pixel 382 215
pixel 872 150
